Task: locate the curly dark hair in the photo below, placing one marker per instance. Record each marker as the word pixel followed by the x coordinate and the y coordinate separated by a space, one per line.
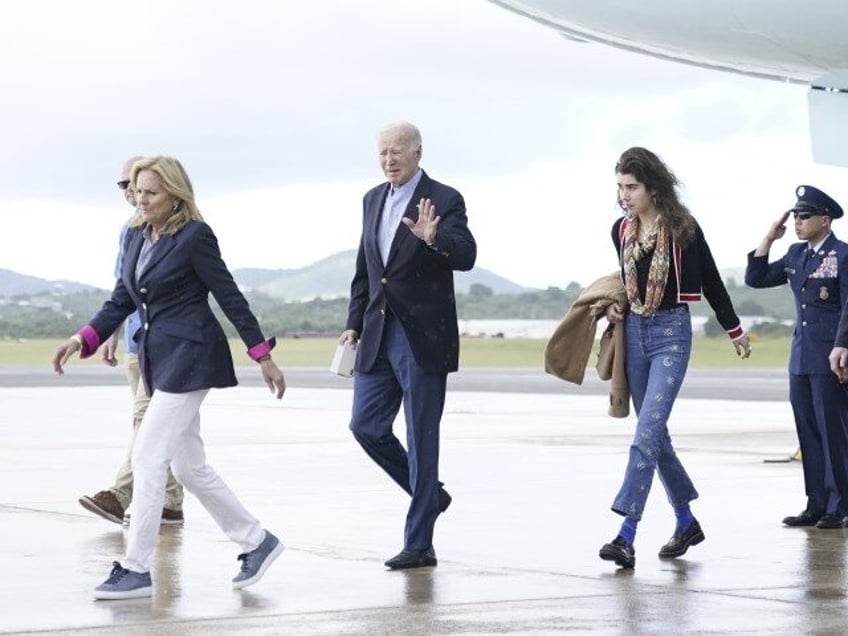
pixel 648 169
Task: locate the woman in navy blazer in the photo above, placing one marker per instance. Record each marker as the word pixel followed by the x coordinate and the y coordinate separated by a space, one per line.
pixel 171 263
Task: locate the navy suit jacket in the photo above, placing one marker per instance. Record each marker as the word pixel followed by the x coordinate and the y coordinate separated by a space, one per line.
pixel 416 284
pixel 182 346
pixel 820 286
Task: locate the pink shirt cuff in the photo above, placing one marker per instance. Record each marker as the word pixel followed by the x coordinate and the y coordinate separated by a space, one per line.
pixel 90 341
pixel 263 348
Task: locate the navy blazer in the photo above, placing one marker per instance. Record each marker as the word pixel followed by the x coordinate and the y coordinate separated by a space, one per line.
pixel 416 284
pixel 820 286
pixel 182 346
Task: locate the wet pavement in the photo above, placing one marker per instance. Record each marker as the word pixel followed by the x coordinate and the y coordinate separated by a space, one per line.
pixel 532 477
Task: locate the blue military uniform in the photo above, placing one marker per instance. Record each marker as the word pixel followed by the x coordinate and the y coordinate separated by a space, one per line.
pixel 819 282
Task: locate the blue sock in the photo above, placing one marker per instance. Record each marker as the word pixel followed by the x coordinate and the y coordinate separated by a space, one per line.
pixel 628 529
pixel 684 517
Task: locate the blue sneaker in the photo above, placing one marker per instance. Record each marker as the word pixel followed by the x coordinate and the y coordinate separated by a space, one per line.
pixel 254 564
pixel 124 583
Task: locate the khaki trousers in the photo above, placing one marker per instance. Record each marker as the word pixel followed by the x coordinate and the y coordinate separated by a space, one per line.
pixel 123 486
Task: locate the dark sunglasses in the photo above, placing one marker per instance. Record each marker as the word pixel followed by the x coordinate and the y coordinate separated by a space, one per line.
pixel 123 185
pixel 803 216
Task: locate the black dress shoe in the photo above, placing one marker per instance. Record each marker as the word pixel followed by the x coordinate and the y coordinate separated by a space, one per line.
pixel 618 550
pixel 829 522
pixel 806 518
pixel 680 541
pixel 412 559
pixel 444 499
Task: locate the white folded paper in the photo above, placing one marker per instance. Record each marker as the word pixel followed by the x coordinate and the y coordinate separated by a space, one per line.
pixel 343 360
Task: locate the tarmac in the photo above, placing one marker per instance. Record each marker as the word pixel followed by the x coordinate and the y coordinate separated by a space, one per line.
pixel 532 477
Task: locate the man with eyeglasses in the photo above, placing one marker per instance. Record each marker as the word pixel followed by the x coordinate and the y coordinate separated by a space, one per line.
pixel 817 272
pixel 112 503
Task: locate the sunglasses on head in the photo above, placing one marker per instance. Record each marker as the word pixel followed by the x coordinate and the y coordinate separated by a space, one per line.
pixel 123 185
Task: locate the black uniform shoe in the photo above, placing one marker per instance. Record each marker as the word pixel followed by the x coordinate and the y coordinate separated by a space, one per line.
pixel 618 550
pixel 829 522
pixel 412 559
pixel 805 518
pixel 680 541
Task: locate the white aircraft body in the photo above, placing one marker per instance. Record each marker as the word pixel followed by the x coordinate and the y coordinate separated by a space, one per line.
pixel 788 40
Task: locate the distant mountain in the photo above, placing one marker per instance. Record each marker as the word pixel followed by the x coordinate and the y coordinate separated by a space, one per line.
pixel 330 278
pixel 14 284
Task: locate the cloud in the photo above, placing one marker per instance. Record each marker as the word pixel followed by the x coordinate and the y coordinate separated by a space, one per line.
pixel 272 106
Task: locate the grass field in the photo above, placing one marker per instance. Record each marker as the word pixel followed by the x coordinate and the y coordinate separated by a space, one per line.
pixel 475 352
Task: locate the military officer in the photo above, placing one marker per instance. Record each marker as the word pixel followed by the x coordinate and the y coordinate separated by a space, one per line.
pixel 817 272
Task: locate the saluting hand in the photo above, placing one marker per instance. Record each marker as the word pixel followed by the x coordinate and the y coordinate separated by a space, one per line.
pixel 426 226
pixel 778 228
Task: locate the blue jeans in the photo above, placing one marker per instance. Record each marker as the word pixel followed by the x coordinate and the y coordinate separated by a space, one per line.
pixel 657 354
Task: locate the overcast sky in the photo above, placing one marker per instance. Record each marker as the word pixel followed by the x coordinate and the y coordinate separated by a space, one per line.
pixel 272 106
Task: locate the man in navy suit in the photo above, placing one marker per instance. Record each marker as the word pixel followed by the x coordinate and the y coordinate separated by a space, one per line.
pixel 817 272
pixel 402 319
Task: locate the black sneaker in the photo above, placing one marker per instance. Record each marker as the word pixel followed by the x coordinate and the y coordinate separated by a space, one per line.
pixel 618 550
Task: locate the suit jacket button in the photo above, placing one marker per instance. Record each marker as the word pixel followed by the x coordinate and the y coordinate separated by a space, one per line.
pixel 143 290
pixel 383 311
pixel 146 326
pixel 384 280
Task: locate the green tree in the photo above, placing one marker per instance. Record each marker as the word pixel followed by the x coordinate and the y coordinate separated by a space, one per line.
pixel 478 290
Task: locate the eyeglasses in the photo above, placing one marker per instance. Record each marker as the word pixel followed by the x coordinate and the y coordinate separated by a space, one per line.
pixel 123 185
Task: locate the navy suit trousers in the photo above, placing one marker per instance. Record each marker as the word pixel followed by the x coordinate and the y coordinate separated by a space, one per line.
pixel 820 405
pixel 396 377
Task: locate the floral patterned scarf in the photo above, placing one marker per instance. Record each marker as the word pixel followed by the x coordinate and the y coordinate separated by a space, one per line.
pixel 635 250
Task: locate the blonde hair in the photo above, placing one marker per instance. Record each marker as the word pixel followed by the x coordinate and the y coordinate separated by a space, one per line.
pixel 175 181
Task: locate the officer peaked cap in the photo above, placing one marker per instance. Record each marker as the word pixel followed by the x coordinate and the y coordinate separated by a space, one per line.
pixel 813 201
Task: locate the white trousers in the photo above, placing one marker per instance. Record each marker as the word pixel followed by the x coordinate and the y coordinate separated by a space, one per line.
pixel 169 435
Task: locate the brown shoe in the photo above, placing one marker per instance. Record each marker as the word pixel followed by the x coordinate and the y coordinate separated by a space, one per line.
pixel 169 518
pixel 104 504
pixel 172 517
